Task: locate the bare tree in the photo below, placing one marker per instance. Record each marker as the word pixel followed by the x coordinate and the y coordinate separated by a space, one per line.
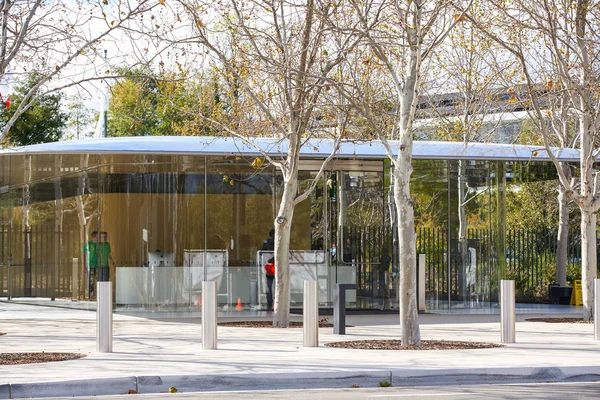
pixel 401 36
pixel 557 45
pixel 59 40
pixel 279 54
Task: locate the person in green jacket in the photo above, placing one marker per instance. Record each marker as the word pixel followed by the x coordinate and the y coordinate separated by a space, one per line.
pixel 90 263
pixel 105 259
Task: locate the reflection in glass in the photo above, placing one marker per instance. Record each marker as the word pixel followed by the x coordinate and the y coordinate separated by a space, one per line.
pixel 171 221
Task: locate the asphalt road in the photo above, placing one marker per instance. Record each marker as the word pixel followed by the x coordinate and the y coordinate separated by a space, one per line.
pixel 535 391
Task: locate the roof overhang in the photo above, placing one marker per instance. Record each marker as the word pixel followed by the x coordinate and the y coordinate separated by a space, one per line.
pixel 314 148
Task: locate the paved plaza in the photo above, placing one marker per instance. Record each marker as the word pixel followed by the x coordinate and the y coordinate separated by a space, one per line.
pixel 152 354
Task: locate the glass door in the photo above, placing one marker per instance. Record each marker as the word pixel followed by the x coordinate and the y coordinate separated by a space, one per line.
pixel 359 236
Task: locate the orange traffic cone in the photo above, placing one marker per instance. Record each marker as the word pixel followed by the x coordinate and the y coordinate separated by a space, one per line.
pixel 239 305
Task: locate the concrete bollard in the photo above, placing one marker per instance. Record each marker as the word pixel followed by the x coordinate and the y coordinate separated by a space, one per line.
pixel 507 311
pixel 311 314
pixel 209 315
pixel 597 309
pixel 339 307
pixel 104 318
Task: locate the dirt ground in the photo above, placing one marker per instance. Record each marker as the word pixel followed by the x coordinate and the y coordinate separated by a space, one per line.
pixel 568 320
pixel 269 324
pixel 35 358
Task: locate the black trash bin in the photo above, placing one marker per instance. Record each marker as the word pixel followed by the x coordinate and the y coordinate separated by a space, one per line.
pixel 559 294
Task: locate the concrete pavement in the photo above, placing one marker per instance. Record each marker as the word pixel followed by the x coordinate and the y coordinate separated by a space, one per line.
pixel 152 355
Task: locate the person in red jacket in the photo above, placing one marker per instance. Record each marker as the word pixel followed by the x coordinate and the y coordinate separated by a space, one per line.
pixel 270 272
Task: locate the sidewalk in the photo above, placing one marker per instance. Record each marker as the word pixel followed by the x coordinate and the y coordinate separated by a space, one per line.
pixel 152 355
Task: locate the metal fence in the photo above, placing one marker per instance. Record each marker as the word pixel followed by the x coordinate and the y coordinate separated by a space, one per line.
pixel 369 251
pixel 443 278
pixel 51 254
pixel 530 261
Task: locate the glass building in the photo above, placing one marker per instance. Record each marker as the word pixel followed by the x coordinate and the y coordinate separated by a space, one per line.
pixel 170 212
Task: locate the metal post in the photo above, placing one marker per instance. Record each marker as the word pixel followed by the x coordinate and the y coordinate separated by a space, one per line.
pixel 507 311
pixel 104 321
pixel 75 280
pixel 209 315
pixel 339 307
pixel 421 271
pixel 597 309
pixel 311 314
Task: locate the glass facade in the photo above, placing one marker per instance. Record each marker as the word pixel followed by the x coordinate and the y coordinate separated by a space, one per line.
pixel 158 225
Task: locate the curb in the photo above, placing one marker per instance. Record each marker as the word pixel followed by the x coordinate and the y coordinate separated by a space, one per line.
pixel 4 391
pixel 85 387
pixel 207 383
pixel 311 380
pixel 428 377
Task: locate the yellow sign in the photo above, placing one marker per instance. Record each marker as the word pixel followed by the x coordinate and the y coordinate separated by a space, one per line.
pixel 576 294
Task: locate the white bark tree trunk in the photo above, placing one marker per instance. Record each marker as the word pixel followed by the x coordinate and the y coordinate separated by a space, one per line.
pixel 84 228
pixel 409 323
pixel 408 254
pixel 587 135
pixel 283 223
pixel 588 261
pixel 588 214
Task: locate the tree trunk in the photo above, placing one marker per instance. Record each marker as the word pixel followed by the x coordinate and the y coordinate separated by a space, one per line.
pixel 587 136
pixel 409 323
pixel 588 215
pixel 84 228
pixel 283 223
pixel 588 261
pixel 408 253
pixel 563 231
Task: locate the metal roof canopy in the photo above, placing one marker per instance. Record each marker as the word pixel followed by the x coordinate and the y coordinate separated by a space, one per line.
pixel 314 148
